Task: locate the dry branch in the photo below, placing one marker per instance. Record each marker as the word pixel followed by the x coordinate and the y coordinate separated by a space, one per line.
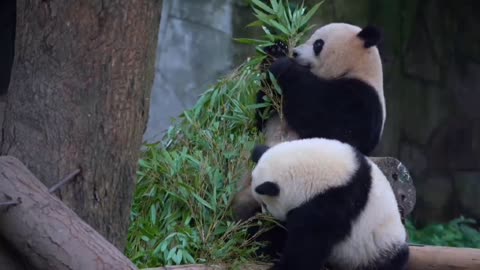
pixel 46 231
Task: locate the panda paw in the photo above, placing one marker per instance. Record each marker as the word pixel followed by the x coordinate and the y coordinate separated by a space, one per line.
pixel 277 50
pixel 280 66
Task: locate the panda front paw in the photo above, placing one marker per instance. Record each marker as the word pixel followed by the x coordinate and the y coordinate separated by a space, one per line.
pixel 277 50
pixel 280 66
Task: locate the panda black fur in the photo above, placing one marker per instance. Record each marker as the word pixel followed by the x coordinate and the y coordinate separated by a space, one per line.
pixel 332 88
pixel 338 207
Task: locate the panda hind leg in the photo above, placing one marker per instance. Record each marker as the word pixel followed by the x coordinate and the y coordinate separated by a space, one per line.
pixel 397 261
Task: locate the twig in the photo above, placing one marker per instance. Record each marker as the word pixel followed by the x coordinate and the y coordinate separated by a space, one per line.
pixel 10 202
pixel 65 180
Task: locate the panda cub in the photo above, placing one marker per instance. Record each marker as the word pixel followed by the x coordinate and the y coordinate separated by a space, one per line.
pixel 331 88
pixel 338 207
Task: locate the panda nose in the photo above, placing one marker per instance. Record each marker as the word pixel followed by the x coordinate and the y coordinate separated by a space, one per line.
pixel 295 54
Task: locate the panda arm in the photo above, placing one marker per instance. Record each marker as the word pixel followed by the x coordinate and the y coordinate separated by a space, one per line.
pixel 313 230
pixel 277 50
pixel 345 109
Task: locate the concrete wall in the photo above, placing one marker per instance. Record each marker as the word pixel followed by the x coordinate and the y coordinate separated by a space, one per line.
pixel 195 48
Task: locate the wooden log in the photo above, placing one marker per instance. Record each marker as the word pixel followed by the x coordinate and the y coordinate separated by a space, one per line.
pixel 421 258
pixel 212 267
pixel 48 233
pixel 443 258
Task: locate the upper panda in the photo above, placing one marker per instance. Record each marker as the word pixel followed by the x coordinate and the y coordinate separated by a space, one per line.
pixel 331 88
pixel 338 207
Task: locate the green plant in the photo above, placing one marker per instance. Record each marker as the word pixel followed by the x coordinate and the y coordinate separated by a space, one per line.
pixel 180 212
pixel 280 21
pixel 459 232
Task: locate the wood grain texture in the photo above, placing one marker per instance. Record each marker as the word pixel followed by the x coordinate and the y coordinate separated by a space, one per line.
pixel 443 258
pixel 79 99
pixel 46 231
pixel 421 258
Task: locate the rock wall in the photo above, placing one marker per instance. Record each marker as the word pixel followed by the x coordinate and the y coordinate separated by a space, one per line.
pixel 195 48
pixel 433 88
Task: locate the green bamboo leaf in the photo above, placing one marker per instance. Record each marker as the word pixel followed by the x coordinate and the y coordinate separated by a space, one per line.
pixel 153 214
pixel 256 23
pixel 280 27
pixel 262 16
pixel 311 12
pixel 275 5
pixel 202 201
pixel 263 6
pixel 189 258
pixel 275 83
pixel 250 41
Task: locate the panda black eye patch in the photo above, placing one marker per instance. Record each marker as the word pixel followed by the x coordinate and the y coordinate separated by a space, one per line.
pixel 318 46
pixel 268 188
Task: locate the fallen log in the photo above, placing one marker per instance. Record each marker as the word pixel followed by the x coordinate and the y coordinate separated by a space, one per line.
pixel 45 231
pixel 443 258
pixel 421 258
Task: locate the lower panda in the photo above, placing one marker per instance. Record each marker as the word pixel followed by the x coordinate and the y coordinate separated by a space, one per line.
pixel 332 88
pixel 337 206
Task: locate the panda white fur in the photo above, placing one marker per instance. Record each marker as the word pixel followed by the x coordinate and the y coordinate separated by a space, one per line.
pixel 338 207
pixel 332 88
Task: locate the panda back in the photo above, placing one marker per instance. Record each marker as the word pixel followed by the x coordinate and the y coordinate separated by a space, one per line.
pixel 377 234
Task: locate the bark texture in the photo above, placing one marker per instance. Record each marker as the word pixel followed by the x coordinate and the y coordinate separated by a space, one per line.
pixel 79 98
pixel 45 230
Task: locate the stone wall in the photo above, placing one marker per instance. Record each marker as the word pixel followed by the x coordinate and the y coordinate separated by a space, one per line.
pixel 433 87
pixel 195 48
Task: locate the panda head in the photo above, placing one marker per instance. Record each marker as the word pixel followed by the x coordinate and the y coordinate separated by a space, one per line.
pixel 290 173
pixel 341 50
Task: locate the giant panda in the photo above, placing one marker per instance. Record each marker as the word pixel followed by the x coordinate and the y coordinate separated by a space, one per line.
pixel 338 207
pixel 331 88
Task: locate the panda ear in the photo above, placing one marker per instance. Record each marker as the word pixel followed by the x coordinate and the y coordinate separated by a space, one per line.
pixel 370 35
pixel 258 152
pixel 268 188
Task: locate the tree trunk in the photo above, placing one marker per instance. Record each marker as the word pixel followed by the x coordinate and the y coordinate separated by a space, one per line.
pixel 79 98
pixel 45 231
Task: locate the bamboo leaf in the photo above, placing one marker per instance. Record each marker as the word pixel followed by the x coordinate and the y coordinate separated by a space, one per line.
pixel 311 12
pixel 279 27
pixel 263 6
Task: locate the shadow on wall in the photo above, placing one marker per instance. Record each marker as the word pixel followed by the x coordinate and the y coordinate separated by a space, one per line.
pixel 7 36
pixel 7 46
pixel 432 86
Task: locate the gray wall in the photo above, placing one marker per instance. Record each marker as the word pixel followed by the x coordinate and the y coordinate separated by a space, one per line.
pixel 195 48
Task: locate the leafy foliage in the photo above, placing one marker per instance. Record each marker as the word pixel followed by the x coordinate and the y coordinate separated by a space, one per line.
pixel 280 22
pixel 181 212
pixel 459 232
